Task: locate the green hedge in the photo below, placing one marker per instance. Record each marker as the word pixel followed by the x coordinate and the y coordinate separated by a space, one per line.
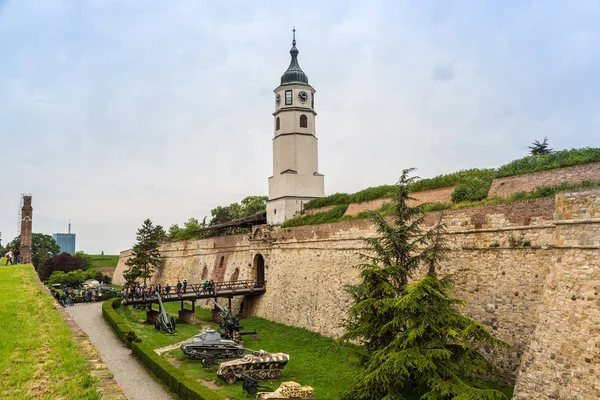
pixel 185 387
pixel 331 200
pixel 474 190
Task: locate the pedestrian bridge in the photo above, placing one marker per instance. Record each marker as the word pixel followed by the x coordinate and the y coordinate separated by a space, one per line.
pixel 195 292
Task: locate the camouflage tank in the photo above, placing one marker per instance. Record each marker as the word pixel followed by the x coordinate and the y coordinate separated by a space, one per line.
pixel 288 390
pixel 208 346
pixel 258 365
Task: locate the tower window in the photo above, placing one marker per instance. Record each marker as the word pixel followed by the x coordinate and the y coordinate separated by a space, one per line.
pixel 303 121
pixel 312 100
pixel 288 97
pixel 277 124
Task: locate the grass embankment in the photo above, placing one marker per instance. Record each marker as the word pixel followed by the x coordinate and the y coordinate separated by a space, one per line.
pixel 104 260
pixel 38 359
pixel 315 360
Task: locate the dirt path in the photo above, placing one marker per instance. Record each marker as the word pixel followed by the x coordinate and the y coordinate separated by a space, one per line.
pixel 128 372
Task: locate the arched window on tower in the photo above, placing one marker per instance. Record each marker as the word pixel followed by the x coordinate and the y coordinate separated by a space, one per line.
pixel 303 121
pixel 277 124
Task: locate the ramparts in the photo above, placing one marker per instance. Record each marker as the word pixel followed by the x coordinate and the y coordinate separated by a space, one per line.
pixel 528 270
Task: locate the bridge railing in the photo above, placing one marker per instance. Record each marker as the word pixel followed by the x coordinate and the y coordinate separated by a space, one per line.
pixel 216 289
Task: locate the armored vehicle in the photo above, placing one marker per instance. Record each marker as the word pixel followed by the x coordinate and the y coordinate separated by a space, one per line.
pixel 208 346
pixel 258 365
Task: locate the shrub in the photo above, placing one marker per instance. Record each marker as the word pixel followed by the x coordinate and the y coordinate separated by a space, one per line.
pixel 372 193
pixel 325 217
pixel 436 206
pixel 453 179
pixel 331 200
pixel 473 190
pixel 62 262
pixel 542 162
pixel 76 278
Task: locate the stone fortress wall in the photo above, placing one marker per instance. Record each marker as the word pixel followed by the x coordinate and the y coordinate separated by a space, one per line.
pixel 529 270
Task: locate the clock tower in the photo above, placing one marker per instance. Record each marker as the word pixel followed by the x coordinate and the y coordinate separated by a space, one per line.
pixel 296 178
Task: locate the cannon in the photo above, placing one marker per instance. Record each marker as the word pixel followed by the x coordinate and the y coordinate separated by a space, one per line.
pixel 231 323
pixel 163 321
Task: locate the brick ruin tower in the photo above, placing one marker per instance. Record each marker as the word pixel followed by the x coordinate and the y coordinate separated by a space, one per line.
pixel 26 215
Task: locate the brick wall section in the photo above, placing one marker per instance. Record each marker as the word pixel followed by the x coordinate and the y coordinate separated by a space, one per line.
pixel 506 187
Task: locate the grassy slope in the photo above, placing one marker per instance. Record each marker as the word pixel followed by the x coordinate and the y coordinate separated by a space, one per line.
pixel 314 359
pixel 104 260
pixel 37 355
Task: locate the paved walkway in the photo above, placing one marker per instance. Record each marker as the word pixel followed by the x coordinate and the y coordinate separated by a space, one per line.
pixel 129 374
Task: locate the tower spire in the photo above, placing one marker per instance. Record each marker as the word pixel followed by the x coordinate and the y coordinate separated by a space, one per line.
pixel 294 74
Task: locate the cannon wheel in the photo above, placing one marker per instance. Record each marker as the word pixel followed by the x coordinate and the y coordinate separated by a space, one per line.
pixel 173 322
pixel 252 390
pixel 240 352
pixel 230 378
pixel 157 324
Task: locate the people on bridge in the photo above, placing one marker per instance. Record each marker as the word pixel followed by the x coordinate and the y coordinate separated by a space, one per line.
pixel 184 286
pixel 168 291
pixel 205 287
pixel 211 287
pixel 179 286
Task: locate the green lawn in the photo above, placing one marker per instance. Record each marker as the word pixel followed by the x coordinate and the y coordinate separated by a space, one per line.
pixel 315 360
pixel 104 260
pixel 38 359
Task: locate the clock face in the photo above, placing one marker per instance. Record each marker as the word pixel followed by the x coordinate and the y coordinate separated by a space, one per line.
pixel 303 97
pixel 278 100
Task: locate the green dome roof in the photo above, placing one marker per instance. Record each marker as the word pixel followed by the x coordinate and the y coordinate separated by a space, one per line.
pixel 294 74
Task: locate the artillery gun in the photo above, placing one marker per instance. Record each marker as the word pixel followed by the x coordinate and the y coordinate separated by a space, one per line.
pixel 231 323
pixel 258 365
pixel 163 321
pixel 209 346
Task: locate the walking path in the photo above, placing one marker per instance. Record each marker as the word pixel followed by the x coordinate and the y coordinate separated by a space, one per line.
pixel 135 381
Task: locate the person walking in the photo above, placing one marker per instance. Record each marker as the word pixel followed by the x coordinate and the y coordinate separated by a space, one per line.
pixel 179 286
pixel 184 286
pixel 9 256
pixel 16 255
pixel 168 291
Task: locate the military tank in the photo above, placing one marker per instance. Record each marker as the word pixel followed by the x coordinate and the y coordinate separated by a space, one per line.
pixel 208 346
pixel 258 365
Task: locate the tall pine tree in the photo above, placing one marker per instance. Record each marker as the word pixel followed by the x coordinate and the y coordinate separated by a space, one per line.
pixel 145 255
pixel 416 342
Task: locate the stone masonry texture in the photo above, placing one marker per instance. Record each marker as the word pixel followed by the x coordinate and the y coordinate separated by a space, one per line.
pixel 528 270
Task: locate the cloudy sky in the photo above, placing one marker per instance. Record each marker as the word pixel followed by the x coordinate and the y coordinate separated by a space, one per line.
pixel 115 111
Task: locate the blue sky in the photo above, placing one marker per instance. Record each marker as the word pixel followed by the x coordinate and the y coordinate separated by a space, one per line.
pixel 115 111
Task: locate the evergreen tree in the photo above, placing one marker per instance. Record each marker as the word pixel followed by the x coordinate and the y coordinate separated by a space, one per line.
pixel 416 342
pixel 145 255
pixel 537 148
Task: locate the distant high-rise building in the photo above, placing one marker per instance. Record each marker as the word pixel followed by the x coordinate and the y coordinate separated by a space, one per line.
pixel 66 241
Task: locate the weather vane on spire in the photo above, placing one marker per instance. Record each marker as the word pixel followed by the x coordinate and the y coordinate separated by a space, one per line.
pixel 294 39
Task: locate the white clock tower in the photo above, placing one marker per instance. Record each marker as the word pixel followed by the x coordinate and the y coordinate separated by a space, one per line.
pixel 296 178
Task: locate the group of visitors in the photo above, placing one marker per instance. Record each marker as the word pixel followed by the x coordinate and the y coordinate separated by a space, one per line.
pixel 67 298
pixel 135 292
pixel 12 257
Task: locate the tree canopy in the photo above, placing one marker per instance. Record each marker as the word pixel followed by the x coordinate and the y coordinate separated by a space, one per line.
pixel 145 257
pixel 538 148
pixel 415 340
pixel 42 248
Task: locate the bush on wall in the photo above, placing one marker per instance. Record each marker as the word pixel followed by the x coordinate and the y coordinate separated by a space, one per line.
pixel 325 217
pixel 542 162
pixel 474 190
